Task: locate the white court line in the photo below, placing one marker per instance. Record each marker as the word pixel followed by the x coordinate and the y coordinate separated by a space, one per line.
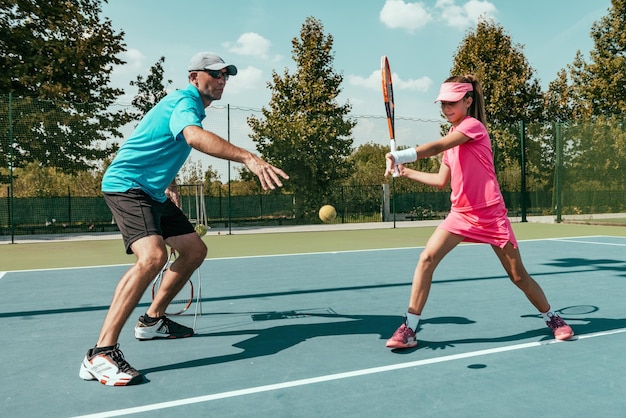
pixel 562 239
pixel 2 273
pixel 586 242
pixel 337 376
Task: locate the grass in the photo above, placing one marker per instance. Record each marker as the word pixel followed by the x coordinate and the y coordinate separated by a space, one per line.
pixel 63 254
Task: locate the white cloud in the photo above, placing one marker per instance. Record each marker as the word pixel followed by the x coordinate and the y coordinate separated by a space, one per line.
pixel 134 62
pixel 410 16
pixel 251 44
pixel 373 82
pixel 398 14
pixel 463 16
pixel 421 84
pixel 249 78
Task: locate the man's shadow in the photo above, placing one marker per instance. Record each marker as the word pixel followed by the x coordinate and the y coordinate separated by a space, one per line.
pixel 272 340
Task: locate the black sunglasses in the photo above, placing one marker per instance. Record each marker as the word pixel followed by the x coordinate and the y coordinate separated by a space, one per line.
pixel 217 74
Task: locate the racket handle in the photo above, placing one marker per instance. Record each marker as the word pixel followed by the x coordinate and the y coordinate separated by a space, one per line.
pixel 393 147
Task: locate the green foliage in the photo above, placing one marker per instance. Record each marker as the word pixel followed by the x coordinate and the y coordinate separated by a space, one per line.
pixel 595 154
pixel 599 84
pixel 559 100
pixel 305 131
pixel 247 183
pixel 594 88
pixel 34 180
pixel 212 183
pixel 368 169
pixel 367 163
pixel 589 100
pixel 56 58
pixel 151 90
pixel 190 173
pixel 511 91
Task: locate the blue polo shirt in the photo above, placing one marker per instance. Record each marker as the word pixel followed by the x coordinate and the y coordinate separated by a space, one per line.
pixel 151 158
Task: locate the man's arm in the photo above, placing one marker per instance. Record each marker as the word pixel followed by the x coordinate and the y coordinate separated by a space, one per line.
pixel 172 193
pixel 212 144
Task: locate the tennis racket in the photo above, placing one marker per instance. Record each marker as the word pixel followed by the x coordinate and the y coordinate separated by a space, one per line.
pixel 571 312
pixel 577 310
pixel 385 72
pixel 182 301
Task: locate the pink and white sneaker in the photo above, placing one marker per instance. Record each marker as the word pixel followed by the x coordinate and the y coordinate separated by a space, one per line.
pixel 561 330
pixel 404 337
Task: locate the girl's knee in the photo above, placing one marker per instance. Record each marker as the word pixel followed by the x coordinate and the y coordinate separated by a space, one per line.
pixel 426 261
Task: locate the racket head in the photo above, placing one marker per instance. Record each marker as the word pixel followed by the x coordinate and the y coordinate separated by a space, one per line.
pixel 577 310
pixel 571 312
pixel 387 84
pixel 390 108
pixel 157 280
pixel 183 299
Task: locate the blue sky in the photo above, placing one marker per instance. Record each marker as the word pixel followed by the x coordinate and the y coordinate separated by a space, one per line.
pixel 420 39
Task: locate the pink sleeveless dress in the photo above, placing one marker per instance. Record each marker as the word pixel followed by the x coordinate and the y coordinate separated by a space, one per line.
pixel 477 212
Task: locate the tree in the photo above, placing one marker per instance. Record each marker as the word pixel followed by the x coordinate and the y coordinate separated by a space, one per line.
pixel 56 58
pixel 559 100
pixel 190 173
pixel 561 106
pixel 590 100
pixel 36 181
pixel 367 170
pixel 601 83
pixel 305 131
pixel 151 90
pixel 598 154
pixel 512 93
pixel 212 182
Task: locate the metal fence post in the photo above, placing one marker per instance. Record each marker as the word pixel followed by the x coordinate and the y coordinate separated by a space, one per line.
pixel 11 202
pixel 522 138
pixel 558 172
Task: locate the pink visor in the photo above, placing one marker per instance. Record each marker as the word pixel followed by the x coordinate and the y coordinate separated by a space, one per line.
pixel 453 92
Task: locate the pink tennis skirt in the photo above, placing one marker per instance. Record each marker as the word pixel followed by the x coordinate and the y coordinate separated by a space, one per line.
pixel 488 225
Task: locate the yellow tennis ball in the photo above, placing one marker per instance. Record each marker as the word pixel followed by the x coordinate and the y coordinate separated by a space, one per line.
pixel 201 230
pixel 327 214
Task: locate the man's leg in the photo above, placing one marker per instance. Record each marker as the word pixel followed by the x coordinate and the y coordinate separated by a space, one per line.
pixel 105 362
pixel 154 324
pixel 151 257
pixel 191 253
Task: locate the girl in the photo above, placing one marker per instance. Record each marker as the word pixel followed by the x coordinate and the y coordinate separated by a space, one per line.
pixel 477 213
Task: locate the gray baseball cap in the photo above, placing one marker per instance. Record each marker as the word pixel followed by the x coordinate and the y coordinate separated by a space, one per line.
pixel 210 61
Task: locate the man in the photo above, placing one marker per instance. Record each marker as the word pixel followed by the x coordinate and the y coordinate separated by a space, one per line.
pixel 139 189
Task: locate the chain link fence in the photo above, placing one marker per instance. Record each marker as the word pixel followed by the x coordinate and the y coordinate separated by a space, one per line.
pixel 568 168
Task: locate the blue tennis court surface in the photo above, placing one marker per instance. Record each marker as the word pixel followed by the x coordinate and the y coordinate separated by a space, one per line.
pixel 304 335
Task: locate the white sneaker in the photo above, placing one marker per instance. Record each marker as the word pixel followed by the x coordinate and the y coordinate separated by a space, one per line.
pixel 109 368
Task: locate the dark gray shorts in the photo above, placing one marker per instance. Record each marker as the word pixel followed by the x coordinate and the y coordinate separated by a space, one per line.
pixel 138 215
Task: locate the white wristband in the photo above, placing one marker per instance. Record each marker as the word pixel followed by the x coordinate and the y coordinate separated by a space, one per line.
pixel 405 156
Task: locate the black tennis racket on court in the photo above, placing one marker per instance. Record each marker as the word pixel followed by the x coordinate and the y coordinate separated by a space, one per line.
pixel 571 312
pixel 577 310
pixel 182 301
pixel 385 72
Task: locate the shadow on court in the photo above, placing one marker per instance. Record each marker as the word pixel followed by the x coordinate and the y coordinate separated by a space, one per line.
pixel 609 265
pixel 268 355
pixel 574 266
pixel 272 340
